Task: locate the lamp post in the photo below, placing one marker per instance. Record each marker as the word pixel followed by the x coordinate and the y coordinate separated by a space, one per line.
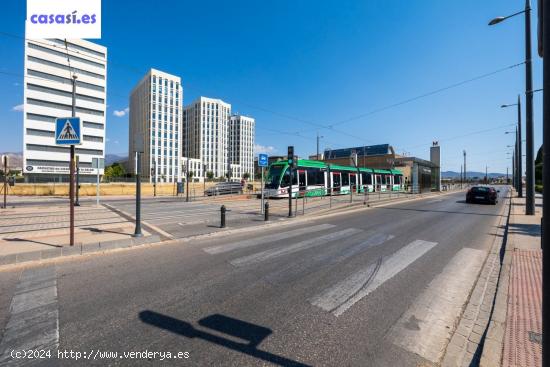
pixel 530 163
pixel 517 158
pixel 519 183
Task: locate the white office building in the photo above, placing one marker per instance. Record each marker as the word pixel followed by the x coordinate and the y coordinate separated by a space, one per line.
pixel 206 129
pixel 241 145
pixel 156 126
pixel 49 66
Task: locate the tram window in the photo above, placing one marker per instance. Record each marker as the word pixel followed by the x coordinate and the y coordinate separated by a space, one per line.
pixel 315 177
pixel 345 179
pixel 336 180
pixel 367 178
pixel 397 179
pixel 382 179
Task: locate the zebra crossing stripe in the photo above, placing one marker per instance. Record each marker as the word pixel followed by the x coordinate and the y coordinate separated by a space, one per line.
pixel 265 239
pixel 34 319
pixel 281 251
pixel 340 297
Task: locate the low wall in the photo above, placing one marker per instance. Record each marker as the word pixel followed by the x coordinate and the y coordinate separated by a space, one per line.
pixel 105 189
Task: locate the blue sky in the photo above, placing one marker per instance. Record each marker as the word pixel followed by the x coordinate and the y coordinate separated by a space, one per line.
pixel 300 67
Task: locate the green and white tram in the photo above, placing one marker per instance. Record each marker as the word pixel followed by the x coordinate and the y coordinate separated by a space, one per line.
pixel 315 178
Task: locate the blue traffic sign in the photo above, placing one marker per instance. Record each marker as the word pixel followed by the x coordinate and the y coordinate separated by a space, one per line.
pixel 68 131
pixel 262 160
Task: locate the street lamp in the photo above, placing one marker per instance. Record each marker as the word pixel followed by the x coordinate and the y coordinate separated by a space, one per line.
pixel 530 169
pixel 519 184
pixel 517 166
pixel 318 137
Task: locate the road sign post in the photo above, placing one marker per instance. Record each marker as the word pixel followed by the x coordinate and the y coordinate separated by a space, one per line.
pixel 68 131
pixel 262 162
pixel 98 163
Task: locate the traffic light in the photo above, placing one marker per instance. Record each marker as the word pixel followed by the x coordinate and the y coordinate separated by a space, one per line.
pixel 290 157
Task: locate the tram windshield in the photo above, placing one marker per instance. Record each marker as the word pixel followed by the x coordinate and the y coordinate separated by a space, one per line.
pixel 274 177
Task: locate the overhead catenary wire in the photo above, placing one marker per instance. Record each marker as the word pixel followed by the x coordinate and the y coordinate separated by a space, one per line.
pixel 329 126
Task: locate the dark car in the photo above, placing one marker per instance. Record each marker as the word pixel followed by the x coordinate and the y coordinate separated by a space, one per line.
pixel 224 188
pixel 482 194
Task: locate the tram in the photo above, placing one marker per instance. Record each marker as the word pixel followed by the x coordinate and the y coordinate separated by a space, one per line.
pixel 315 178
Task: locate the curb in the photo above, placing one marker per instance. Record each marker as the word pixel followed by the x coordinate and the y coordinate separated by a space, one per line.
pixel 491 354
pixel 79 249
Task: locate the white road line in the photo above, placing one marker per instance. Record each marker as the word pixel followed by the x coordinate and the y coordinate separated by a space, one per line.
pixel 34 318
pixel 428 325
pixel 333 256
pixel 340 297
pixel 375 240
pixel 434 201
pixel 265 239
pixel 277 252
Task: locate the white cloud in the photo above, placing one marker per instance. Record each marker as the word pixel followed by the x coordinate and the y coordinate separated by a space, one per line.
pixel 19 107
pixel 268 149
pixel 121 113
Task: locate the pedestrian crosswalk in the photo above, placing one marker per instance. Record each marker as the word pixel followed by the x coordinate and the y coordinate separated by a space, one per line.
pixel 335 247
pixel 340 297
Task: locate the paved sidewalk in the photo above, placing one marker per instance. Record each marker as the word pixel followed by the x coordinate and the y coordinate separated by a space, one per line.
pixel 39 232
pixel 514 335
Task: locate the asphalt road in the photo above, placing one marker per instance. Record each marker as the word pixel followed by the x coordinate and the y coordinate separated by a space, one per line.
pixel 327 292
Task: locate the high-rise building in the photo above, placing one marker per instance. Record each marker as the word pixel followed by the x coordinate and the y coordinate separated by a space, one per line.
pixel 156 126
pixel 241 145
pixel 49 68
pixel 206 129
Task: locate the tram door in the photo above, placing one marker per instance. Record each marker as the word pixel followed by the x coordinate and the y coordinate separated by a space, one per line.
pixel 352 182
pixel 302 183
pixel 336 182
pixel 378 183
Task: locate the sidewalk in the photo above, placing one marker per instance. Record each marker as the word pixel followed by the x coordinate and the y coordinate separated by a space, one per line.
pixel 41 232
pixel 514 334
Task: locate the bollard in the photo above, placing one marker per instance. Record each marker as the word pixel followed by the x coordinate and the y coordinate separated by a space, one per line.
pixel 222 210
pixel 266 211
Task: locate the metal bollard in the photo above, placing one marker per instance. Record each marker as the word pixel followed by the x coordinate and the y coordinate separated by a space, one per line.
pixel 222 210
pixel 266 211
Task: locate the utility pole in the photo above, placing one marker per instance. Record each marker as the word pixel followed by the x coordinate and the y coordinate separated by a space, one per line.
pixel 71 168
pixel 529 130
pixel 519 155
pixel 187 180
pixel 154 176
pixel 546 189
pixel 486 177
pixel 506 175
pixel 460 176
pixel 465 171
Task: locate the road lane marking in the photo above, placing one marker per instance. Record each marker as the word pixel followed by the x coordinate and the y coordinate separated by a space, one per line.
pixel 302 245
pixel 295 268
pixel 34 320
pixel 428 325
pixel 265 239
pixel 434 201
pixel 340 297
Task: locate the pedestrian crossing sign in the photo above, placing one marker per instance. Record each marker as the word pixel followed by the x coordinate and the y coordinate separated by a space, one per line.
pixel 68 131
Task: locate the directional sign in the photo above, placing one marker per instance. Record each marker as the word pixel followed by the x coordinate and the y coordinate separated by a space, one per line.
pixel 262 160
pixel 68 131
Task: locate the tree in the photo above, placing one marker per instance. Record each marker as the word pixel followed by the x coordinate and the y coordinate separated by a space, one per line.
pixel 191 174
pixel 246 175
pixel 210 175
pixel 114 170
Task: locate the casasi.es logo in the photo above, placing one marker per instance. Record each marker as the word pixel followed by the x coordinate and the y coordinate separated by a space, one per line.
pixel 63 19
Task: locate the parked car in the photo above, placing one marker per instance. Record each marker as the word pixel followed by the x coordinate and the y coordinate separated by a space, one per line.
pixel 482 194
pixel 224 188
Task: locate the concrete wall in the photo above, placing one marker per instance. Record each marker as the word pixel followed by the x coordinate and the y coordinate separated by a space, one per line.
pixel 107 189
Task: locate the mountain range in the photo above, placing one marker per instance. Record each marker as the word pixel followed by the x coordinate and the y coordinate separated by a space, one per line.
pixel 471 174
